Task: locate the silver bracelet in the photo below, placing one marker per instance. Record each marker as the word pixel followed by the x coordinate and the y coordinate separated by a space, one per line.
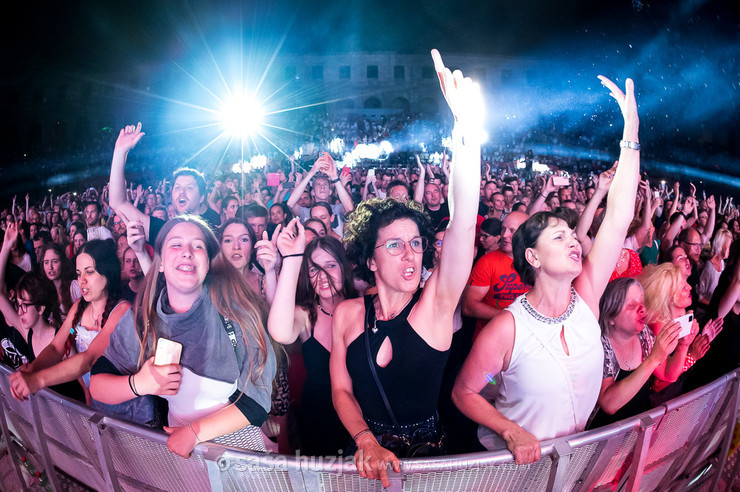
pixel 626 144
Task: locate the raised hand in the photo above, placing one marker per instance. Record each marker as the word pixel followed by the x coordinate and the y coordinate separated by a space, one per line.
pixel 128 137
pixel 11 235
pixel 267 253
pixel 626 100
pixel 292 239
pixel 712 328
pixel 606 177
pixel 135 234
pixel 463 96
pixel 328 166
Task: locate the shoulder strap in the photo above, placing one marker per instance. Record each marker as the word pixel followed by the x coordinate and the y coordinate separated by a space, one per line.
pixel 229 327
pixel 370 319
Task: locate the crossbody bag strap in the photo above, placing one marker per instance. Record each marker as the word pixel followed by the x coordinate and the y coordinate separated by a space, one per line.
pixel 229 327
pixel 370 319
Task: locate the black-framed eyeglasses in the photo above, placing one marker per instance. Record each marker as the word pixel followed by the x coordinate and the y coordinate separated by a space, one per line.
pixel 396 246
pixel 22 306
pixel 692 244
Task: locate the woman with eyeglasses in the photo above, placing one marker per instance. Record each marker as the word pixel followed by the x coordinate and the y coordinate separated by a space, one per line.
pixel 488 238
pixel 84 335
pixel 314 279
pixel 399 339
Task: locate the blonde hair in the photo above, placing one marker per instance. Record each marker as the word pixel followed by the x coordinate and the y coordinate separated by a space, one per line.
pixel 228 291
pixel 721 238
pixel 660 283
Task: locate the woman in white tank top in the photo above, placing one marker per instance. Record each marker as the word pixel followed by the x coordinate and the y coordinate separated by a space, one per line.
pixel 545 350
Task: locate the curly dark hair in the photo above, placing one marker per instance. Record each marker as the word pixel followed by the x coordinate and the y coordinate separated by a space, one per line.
pixel 529 233
pixel 361 231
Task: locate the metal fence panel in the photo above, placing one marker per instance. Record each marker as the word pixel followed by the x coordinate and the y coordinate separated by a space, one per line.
pixel 681 440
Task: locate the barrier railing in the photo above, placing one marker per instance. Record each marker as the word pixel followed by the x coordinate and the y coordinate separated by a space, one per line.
pixel 682 445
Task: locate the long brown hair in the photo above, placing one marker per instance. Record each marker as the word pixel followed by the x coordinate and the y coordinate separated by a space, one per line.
pixel 231 296
pixel 306 293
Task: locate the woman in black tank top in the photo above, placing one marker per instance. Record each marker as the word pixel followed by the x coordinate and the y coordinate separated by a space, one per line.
pixel 314 279
pixel 406 332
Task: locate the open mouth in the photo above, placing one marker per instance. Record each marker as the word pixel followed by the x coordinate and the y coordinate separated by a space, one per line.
pixel 409 273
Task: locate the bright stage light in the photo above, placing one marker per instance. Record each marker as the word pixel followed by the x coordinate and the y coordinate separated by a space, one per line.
pixel 241 116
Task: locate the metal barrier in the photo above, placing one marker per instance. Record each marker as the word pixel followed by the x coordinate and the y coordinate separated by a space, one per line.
pixel 682 445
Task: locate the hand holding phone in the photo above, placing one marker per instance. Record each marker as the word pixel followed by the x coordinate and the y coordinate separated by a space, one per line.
pixel 560 181
pixel 168 352
pixel 687 321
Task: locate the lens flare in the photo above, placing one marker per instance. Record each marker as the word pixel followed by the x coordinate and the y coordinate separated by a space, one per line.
pixel 241 116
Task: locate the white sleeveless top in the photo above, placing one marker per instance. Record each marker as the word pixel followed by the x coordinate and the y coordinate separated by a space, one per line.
pixel 546 392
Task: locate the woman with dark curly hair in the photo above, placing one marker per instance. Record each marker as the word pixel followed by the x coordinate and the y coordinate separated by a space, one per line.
pixel 399 339
pixel 545 348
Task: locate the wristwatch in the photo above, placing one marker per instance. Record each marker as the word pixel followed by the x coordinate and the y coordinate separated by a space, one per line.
pixel 629 145
pixel 335 181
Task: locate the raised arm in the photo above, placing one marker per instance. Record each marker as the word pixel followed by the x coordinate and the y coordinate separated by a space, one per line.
pixel 419 189
pixel 285 322
pixel 620 204
pixel 128 137
pixel 538 204
pixel 647 213
pixel 706 233
pixel 587 217
pixel 301 186
pixel 10 313
pixel 442 290
pixel 331 170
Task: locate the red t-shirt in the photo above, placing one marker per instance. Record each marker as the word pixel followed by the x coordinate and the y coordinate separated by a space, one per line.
pixel 495 270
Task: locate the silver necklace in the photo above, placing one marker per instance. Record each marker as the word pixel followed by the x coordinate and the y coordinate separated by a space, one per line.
pixel 547 319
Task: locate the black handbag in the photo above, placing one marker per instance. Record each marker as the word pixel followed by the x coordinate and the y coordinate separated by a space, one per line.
pixel 424 440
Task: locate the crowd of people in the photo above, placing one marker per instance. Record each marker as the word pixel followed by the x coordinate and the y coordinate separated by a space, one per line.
pixel 383 313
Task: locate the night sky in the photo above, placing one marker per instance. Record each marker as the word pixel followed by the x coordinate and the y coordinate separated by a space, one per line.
pixel 682 54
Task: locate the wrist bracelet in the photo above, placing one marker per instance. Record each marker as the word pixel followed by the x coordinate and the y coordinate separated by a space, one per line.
pixel 131 385
pixel 295 255
pixel 626 144
pixel 366 430
pixel 688 362
pixel 335 181
pixel 197 439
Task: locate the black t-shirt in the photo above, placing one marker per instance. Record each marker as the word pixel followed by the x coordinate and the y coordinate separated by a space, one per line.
pixel 155 224
pixel 439 215
pixel 14 349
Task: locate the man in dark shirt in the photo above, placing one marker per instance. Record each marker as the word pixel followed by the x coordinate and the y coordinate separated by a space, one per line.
pixel 188 189
pixel 433 204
